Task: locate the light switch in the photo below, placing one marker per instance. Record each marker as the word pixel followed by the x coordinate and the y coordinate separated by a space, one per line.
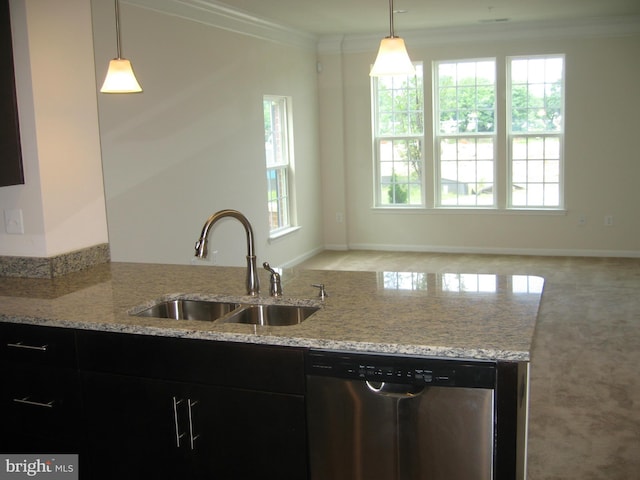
pixel 13 221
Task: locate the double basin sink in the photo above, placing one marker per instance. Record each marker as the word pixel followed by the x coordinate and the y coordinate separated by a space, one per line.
pixel 229 312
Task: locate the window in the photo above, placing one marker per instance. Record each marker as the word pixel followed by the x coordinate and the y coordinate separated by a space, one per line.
pixel 398 131
pixel 536 127
pixel 278 158
pixel 465 132
pixel 496 144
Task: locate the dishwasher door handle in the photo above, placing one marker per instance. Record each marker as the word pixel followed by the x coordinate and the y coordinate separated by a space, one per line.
pixel 396 390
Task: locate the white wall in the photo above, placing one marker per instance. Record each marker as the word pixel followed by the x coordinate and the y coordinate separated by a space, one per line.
pixel 62 200
pixel 602 156
pixel 193 142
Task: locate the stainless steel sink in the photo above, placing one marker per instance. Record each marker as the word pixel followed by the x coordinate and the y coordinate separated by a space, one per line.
pixel 181 309
pixel 228 312
pixel 274 315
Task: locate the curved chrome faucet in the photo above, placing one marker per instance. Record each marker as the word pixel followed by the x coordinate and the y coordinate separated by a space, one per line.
pixel 253 283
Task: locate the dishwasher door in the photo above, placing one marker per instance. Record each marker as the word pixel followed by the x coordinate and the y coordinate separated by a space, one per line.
pixel 362 429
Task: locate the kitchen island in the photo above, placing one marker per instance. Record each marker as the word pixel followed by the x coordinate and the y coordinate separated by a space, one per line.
pixel 80 367
pixel 457 315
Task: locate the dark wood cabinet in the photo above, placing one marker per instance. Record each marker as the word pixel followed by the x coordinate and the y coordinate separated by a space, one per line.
pixel 11 172
pixel 175 408
pixel 39 390
pixel 136 406
pixel 165 430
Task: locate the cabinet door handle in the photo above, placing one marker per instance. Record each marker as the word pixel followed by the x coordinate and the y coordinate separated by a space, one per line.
pixel 179 435
pixel 26 401
pixel 192 437
pixel 42 348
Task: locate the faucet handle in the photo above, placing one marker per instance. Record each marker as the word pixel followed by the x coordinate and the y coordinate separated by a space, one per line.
pixel 323 293
pixel 275 284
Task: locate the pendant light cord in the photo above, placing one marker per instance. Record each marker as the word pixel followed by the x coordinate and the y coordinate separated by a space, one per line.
pixel 118 31
pixel 391 29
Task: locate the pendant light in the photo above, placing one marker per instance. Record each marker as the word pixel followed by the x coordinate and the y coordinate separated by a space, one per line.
pixel 120 77
pixel 392 58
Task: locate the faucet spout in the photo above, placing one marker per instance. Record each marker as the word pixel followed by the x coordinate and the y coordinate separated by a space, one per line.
pixel 253 283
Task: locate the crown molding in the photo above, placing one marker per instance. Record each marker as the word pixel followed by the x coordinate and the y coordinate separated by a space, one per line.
pixel 219 15
pixel 579 28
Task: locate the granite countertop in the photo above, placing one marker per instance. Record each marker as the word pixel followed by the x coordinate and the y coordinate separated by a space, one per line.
pixel 453 315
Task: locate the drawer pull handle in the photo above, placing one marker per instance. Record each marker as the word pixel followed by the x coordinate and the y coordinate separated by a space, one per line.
pixel 43 348
pixel 179 435
pixel 192 437
pixel 26 401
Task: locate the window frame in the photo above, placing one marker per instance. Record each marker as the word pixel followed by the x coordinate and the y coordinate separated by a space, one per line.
pixel 378 139
pixel 285 211
pixel 502 138
pixel 438 137
pixel 511 134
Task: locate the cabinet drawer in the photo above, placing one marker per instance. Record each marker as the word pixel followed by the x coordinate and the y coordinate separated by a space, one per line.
pixel 37 345
pixel 257 367
pixel 40 402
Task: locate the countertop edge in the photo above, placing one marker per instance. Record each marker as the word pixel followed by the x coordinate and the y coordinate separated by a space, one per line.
pixel 323 344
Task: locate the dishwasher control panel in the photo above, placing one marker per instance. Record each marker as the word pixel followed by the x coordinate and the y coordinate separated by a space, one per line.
pixel 401 369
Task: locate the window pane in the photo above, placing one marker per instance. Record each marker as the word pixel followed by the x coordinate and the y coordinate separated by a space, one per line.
pixel 535 147
pixel 552 171
pixel 535 194
pixel 465 110
pixel 466 97
pixel 552 147
pixel 466 171
pixel 400 169
pixel 535 171
pixel 536 108
pixel 536 92
pixel 399 129
pixel 535 168
pixel 519 148
pixel 278 198
pixel 277 161
pixel 551 195
pixel 519 172
pixel 399 105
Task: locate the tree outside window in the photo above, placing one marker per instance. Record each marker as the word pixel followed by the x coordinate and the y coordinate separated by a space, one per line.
pixel 536 94
pixel 468 159
pixel 398 137
pixel 465 132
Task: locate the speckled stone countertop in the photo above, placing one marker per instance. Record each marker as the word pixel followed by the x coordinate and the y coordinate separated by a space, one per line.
pixel 453 315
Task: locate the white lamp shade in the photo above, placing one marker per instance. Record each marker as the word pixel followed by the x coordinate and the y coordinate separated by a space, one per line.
pixel 120 78
pixel 392 59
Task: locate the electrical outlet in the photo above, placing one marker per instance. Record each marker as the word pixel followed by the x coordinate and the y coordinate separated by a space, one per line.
pixel 339 217
pixel 582 220
pixel 608 220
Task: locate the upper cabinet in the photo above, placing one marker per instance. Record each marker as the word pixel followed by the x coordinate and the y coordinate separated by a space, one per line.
pixel 11 172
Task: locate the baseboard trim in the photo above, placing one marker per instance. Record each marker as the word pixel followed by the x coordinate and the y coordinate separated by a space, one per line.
pixel 303 257
pixel 538 252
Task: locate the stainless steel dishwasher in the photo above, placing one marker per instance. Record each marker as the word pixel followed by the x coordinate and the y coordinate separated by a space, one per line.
pixel 376 417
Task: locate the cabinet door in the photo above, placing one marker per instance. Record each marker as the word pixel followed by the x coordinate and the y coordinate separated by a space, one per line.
pixel 131 428
pixel 247 434
pixel 143 428
pixel 39 409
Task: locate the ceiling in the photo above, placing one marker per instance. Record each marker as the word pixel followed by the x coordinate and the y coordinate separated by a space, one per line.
pixel 338 17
